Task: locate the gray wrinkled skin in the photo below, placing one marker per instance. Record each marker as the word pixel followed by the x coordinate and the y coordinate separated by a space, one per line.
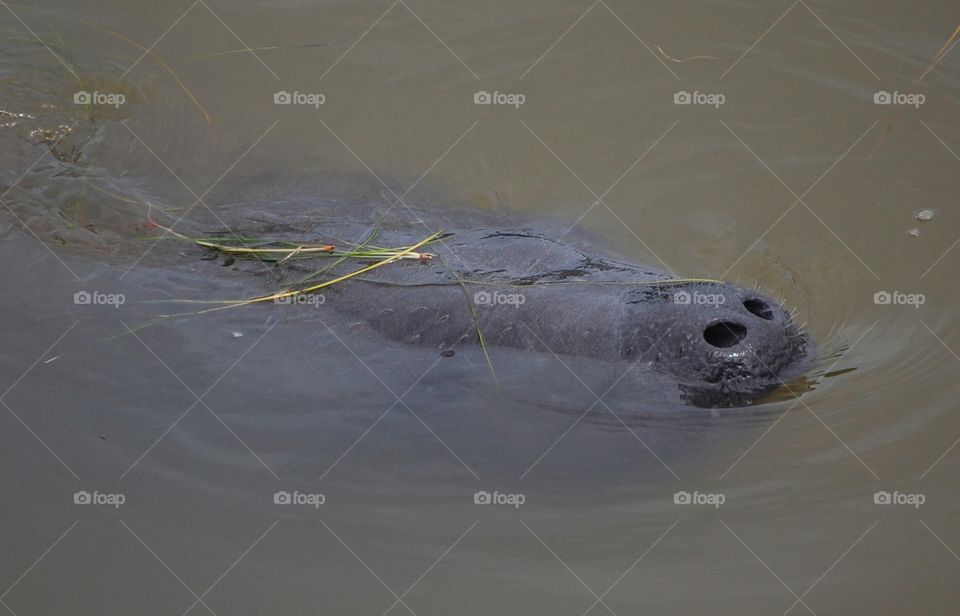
pixel 723 344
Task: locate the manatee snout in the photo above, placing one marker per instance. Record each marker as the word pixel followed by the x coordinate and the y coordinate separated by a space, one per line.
pixel 721 337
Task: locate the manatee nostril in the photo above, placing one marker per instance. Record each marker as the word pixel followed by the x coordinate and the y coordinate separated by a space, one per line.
pixel 759 308
pixel 724 334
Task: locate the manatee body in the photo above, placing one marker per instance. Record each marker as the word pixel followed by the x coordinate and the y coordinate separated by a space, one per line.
pixel 517 288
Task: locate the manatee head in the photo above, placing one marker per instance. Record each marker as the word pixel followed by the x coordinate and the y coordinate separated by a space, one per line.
pixel 725 344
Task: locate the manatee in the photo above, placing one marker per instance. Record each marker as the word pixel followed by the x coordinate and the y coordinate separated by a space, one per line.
pixel 518 288
pixel 506 287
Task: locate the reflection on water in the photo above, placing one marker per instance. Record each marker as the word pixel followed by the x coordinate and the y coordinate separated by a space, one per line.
pixel 798 183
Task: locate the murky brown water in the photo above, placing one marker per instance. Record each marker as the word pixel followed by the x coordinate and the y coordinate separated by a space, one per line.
pixel 782 171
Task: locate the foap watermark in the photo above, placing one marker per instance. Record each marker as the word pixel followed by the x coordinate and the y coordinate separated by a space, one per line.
pixel 496 298
pixel 113 99
pixel 696 298
pixel 82 497
pixel 314 99
pixel 483 497
pixel 713 99
pixel 283 497
pixel 910 99
pixel 301 299
pixel 899 498
pixel 515 99
pixel 713 499
pixel 896 298
pixel 97 298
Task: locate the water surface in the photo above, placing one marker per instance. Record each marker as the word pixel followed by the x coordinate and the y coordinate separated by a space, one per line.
pixel 798 183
